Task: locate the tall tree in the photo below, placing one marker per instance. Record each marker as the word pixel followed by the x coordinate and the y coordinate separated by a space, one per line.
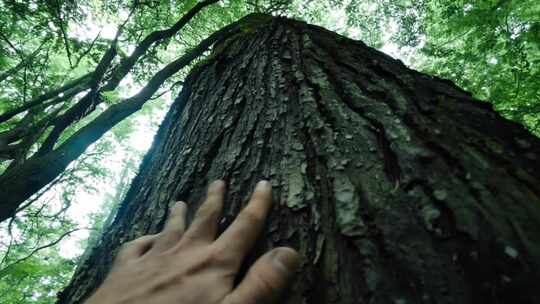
pixel 397 187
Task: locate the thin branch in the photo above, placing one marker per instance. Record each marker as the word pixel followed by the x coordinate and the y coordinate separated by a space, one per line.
pixel 67 233
pixel 6 39
pixel 63 32
pixel 89 102
pixel 61 178
pixel 117 112
pixel 78 85
pixel 87 50
pixel 23 63
pixel 180 82
pixel 25 83
pixel 10 232
pixel 31 135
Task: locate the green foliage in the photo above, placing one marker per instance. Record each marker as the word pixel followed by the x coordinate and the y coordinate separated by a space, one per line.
pixel 31 268
pixel 37 279
pixel 111 97
pixel 491 48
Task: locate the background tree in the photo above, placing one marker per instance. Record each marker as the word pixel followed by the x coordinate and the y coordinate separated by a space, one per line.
pixel 489 48
pixel 394 185
pixel 25 175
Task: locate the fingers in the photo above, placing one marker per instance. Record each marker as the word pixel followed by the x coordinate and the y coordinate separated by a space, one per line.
pixel 171 234
pixel 265 280
pixel 134 249
pixel 205 224
pixel 237 240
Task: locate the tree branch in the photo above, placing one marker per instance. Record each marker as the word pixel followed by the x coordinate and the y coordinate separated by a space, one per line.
pixel 6 39
pixel 36 250
pixel 63 32
pixel 76 86
pixel 38 171
pixel 88 103
pixel 87 50
pixel 23 63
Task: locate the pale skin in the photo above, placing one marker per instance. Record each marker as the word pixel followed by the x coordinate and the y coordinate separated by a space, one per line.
pixel 194 266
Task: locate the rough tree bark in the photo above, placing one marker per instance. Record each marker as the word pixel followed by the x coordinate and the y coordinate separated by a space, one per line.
pixel 396 187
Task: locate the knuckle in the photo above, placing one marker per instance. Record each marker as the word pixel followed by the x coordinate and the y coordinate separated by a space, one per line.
pixel 218 254
pixel 189 239
pixel 168 238
pixel 225 259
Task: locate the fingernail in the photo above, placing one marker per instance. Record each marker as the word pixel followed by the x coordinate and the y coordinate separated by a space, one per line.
pixel 263 185
pixel 179 206
pixel 287 260
pixel 216 185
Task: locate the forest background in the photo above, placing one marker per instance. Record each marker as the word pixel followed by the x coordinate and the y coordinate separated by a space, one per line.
pixel 490 48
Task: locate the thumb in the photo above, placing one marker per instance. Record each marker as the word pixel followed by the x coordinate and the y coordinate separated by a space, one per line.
pixel 265 280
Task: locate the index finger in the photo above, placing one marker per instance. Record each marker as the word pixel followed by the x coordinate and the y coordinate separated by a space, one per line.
pixel 238 239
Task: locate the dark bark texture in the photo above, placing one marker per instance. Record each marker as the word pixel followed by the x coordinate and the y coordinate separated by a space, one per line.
pixel 395 186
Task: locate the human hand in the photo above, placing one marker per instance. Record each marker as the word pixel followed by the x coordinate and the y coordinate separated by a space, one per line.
pixel 193 267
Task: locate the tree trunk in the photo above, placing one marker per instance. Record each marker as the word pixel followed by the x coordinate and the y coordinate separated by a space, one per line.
pixel 395 186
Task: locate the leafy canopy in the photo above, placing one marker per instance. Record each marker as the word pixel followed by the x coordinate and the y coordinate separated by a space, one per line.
pixel 491 48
